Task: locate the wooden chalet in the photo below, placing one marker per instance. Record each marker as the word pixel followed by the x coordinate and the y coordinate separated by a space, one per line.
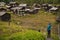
pixel 13 4
pixel 54 9
pixel 4 16
pixel 16 10
pixel 58 19
pixel 2 4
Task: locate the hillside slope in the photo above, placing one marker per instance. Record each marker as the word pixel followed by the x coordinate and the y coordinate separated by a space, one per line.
pixel 37 21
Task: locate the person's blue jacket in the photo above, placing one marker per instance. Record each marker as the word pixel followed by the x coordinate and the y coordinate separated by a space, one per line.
pixel 49 27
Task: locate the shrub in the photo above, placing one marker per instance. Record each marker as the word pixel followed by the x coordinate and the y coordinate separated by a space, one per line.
pixel 28 35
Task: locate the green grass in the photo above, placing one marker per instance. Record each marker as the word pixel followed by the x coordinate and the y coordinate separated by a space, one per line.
pixel 33 21
pixel 6 30
pixel 40 19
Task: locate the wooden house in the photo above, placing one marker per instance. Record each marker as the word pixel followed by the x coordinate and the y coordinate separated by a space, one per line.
pixel 5 16
pixel 31 11
pixel 53 9
pixel 46 7
pixel 58 19
pixel 23 9
pixel 24 6
pixel 37 5
pixel 13 4
pixel 2 4
pixel 8 7
pixel 35 8
pixel 3 9
pixel 16 10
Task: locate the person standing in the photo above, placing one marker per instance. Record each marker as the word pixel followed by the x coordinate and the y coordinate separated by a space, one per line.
pixel 49 29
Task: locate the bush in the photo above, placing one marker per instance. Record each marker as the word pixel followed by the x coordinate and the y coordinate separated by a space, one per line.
pixel 28 35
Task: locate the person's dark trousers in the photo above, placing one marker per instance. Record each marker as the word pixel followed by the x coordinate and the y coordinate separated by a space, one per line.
pixel 49 33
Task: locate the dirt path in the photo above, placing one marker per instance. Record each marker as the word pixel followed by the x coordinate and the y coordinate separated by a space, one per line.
pixel 49 39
